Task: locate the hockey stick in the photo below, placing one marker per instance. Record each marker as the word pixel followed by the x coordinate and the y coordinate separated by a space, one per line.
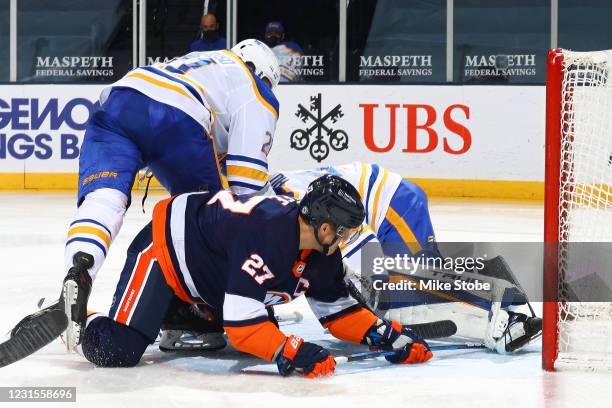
pixel 364 355
pixel 269 369
pixel 32 333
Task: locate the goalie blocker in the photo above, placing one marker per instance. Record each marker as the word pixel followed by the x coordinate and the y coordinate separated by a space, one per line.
pixel 488 315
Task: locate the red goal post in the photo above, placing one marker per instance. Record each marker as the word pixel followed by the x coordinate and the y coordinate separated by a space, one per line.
pixel 577 205
pixel 554 79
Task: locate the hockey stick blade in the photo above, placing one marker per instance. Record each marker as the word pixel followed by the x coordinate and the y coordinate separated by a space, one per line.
pixel 435 330
pixel 381 353
pixel 33 333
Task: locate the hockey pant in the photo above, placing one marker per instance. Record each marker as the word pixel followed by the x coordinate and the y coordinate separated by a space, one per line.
pixel 138 309
pixel 131 131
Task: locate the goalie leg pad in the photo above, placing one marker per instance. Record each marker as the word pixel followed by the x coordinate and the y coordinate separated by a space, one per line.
pixel 479 315
pixel 469 310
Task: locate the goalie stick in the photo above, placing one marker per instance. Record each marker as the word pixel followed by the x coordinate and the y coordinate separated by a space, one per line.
pixel 435 330
pixel 37 330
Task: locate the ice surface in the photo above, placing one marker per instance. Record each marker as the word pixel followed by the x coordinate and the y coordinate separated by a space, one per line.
pixel 32 235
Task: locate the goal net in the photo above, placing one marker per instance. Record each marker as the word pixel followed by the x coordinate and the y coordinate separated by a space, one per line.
pixel 578 211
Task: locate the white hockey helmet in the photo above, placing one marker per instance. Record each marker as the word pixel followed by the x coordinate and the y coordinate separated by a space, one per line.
pixel 261 57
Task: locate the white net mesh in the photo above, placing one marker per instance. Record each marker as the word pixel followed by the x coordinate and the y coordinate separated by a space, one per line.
pixel 585 328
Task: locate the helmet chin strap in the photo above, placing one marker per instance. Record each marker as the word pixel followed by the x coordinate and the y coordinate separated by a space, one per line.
pixel 325 246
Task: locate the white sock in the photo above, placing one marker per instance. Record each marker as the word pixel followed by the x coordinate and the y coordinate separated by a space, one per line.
pixel 97 222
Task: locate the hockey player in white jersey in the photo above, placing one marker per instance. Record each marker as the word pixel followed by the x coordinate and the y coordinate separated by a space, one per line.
pixel 397 217
pixel 203 121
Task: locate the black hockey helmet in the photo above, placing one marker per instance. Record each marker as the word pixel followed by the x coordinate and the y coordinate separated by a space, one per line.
pixel 332 199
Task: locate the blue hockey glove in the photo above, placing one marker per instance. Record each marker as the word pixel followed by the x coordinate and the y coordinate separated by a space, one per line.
pixel 390 335
pixel 312 360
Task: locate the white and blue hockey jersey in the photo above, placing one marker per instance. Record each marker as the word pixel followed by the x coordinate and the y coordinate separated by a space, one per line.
pixel 376 186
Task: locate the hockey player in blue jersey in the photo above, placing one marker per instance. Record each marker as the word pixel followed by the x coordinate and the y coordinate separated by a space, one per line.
pixel 204 121
pixel 237 257
pixel 397 222
pixel 396 215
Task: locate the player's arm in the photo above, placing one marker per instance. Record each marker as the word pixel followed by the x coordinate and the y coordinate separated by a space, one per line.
pixel 252 127
pixel 348 320
pixel 260 337
pixel 249 329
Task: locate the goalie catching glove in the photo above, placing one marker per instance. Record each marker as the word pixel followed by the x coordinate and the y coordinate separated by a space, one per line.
pixel 392 336
pixel 308 358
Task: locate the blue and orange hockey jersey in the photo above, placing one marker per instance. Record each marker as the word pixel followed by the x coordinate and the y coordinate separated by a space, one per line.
pixel 240 256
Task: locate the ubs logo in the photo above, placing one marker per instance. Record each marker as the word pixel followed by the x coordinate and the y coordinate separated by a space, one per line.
pixel 319 137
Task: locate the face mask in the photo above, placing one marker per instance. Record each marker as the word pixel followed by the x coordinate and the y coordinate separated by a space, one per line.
pixel 210 36
pixel 272 41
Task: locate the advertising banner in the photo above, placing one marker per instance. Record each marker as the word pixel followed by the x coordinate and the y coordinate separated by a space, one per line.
pixel 41 126
pixel 486 133
pixel 439 132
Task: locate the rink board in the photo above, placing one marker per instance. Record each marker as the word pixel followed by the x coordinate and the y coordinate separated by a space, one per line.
pixel 474 141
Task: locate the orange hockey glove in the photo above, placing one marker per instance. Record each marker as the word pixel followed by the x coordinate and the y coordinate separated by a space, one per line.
pixel 308 358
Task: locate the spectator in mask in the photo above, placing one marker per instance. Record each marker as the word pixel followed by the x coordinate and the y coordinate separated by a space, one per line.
pixel 288 53
pixel 209 39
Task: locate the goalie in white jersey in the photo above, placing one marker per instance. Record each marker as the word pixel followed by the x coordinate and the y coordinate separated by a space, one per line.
pixel 204 121
pixel 397 217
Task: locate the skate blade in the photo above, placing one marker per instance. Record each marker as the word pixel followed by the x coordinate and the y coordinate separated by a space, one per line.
pixel 177 340
pixel 71 292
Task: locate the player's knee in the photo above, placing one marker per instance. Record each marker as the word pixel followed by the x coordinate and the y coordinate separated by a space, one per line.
pixel 107 343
